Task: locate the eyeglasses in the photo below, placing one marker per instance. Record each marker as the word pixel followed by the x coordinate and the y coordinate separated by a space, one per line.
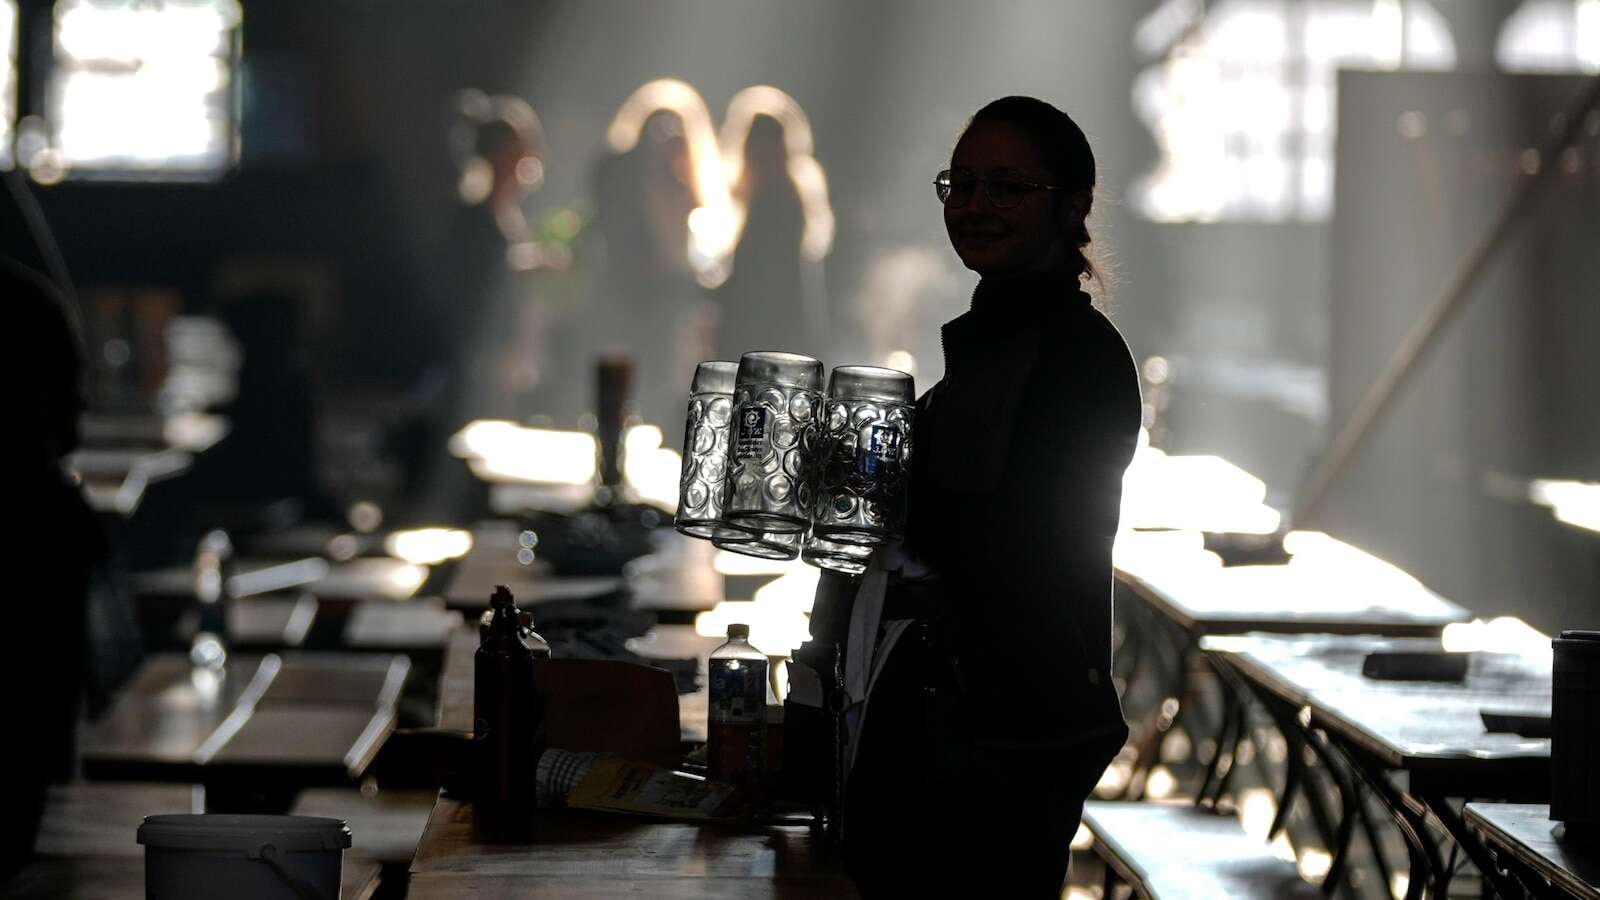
pixel 1003 191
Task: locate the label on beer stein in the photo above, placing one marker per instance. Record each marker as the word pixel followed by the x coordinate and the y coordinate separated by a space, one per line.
pixel 879 444
pixel 752 439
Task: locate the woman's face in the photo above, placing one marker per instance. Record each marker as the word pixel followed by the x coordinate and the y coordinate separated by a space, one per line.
pixel 992 241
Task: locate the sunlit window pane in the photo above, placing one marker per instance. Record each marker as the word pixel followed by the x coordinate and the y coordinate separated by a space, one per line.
pixel 144 87
pixel 1551 36
pixel 1241 99
pixel 8 78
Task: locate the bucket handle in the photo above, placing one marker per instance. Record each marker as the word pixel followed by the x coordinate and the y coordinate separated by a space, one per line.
pixel 305 890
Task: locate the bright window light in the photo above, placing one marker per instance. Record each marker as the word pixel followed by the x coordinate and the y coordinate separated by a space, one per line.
pixel 505 451
pixel 1204 493
pixel 1573 502
pixel 144 87
pixel 1551 36
pixel 8 78
pixel 428 546
pixel 1241 99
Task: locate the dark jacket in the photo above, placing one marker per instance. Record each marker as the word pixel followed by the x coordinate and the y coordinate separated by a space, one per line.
pixel 1015 496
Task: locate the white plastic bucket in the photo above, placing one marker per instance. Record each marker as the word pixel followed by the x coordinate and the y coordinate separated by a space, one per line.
pixel 191 857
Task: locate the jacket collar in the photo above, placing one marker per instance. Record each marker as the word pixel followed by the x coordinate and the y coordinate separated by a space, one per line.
pixel 1003 307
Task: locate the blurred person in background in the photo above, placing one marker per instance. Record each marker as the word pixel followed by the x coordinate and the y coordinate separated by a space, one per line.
pixel 648 304
pixel 263 474
pixel 485 334
pixel 994 715
pixel 764 305
pixel 56 540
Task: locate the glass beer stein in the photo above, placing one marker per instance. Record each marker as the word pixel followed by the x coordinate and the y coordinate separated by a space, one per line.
pixel 851 559
pixel 766 545
pixel 702 485
pixel 776 399
pixel 864 456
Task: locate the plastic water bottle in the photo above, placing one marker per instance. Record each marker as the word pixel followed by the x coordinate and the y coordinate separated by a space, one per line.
pixel 738 715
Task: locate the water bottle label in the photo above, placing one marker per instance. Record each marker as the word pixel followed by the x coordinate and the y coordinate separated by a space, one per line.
pixel 738 691
pixel 752 441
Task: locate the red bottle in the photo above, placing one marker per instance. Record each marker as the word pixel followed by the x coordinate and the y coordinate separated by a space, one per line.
pixel 506 732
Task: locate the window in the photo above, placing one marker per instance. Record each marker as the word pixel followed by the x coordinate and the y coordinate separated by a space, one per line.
pixel 1241 99
pixel 8 78
pixel 144 88
pixel 1551 36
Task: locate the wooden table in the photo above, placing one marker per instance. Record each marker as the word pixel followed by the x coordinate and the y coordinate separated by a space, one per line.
pixel 279 622
pixel 1180 594
pixel 356 579
pixel 1431 730
pixel 195 432
pixel 1282 599
pixel 493 561
pixel 677 578
pixel 115 478
pixel 455 691
pixel 580 854
pixel 1537 851
pixel 268 726
pixel 124 453
pixel 1431 733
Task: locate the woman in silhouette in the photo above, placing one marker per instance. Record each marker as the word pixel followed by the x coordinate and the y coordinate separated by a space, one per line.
pixel 994 715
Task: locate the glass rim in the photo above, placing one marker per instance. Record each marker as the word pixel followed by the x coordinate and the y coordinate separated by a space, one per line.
pixel 762 521
pixel 759 547
pixel 853 535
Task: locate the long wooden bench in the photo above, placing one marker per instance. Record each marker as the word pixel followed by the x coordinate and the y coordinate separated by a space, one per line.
pixel 1177 851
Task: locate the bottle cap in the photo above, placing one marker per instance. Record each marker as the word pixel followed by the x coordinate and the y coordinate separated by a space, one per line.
pixel 739 631
pixel 502 596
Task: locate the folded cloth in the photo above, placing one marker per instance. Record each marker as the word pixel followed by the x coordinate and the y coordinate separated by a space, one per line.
pixel 875 627
pixel 558 772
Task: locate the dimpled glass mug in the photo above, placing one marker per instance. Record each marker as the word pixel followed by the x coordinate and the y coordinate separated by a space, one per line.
pixel 776 398
pixel 864 456
pixel 702 486
pixel 851 559
pixel 767 545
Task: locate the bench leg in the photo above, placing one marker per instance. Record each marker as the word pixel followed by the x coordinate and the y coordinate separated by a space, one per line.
pixel 1227 741
pixel 1108 888
pixel 1236 693
pixel 1468 842
pixel 1424 856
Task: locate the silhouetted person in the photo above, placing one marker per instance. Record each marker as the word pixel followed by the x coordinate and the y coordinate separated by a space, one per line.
pixel 269 453
pixel 648 303
pixel 53 544
pixel 263 473
pixel 482 300
pixel 764 306
pixel 994 716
